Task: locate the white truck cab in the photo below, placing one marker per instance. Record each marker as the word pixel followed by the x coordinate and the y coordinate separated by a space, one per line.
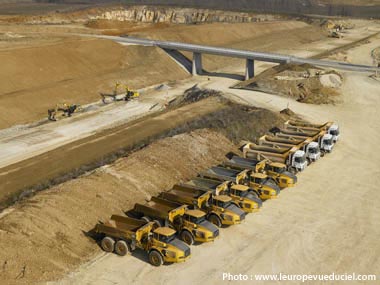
pixel 299 160
pixel 327 143
pixel 313 153
pixel 334 131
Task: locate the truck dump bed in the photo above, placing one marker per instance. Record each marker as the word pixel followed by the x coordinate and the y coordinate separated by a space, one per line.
pixel 120 226
pixel 285 140
pixel 187 194
pixel 243 163
pixel 279 151
pixel 158 207
pixel 300 132
pixel 303 124
pixel 221 173
pixel 204 183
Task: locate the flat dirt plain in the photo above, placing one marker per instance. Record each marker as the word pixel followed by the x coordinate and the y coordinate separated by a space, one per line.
pixel 328 223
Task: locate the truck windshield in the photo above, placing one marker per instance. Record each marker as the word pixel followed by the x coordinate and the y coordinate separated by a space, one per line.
pixel 197 220
pixel 327 142
pixel 167 239
pixel 300 159
pixel 279 169
pixel 224 204
pixel 313 150
pixel 334 132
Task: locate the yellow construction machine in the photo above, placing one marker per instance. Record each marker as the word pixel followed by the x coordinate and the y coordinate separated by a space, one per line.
pixel 118 90
pixel 123 234
pixel 63 110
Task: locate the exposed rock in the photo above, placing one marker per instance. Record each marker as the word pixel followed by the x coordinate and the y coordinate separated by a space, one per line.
pixel 178 15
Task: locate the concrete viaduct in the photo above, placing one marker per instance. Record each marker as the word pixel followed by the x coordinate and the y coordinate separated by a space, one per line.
pixel 249 56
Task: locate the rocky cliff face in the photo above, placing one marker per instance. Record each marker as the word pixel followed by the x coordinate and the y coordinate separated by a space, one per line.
pixel 179 15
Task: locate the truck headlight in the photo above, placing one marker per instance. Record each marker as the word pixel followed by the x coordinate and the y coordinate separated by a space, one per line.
pixel 255 206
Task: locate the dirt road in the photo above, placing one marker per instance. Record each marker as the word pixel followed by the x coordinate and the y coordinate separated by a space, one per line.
pixel 328 223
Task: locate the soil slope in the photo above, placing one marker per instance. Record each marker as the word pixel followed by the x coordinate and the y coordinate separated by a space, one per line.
pixel 46 234
pixel 74 71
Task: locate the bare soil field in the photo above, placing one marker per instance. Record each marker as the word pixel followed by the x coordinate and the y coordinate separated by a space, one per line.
pixel 74 71
pixel 304 83
pixel 41 66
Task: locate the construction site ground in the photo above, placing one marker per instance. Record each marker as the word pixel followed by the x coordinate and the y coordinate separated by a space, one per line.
pixel 320 226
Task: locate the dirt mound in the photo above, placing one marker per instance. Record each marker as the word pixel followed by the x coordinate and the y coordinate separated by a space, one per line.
pixel 74 71
pixel 194 94
pixel 48 231
pixel 305 83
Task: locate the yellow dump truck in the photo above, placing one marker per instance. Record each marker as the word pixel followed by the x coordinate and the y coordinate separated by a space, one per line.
pixel 307 144
pixel 191 225
pixel 264 186
pixel 243 196
pixel 275 170
pixel 329 127
pixel 294 158
pixel 123 234
pixel 220 209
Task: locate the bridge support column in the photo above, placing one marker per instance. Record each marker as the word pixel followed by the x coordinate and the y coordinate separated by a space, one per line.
pixel 249 69
pixel 197 63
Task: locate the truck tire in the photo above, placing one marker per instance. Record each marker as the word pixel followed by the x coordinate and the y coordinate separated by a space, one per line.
pixel 146 219
pixel 187 237
pixel 108 244
pixel 121 248
pixel 215 220
pixel 155 258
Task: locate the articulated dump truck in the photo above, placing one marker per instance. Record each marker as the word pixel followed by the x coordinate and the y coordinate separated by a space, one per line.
pixel 294 158
pixel 329 127
pixel 264 186
pixel 219 208
pixel 124 234
pixel 325 141
pixel 191 225
pixel 310 147
pixel 275 170
pixel 242 196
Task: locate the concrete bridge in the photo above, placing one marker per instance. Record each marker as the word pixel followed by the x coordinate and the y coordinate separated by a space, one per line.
pixel 249 56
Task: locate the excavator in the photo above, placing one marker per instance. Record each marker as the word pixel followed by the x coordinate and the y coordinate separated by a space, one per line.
pixel 129 94
pixel 63 109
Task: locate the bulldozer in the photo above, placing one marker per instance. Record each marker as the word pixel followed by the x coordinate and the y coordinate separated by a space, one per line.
pixel 64 110
pixel 128 94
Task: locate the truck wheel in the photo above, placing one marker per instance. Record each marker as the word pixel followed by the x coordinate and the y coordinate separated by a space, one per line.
pixel 108 244
pixel 121 248
pixel 187 237
pixel 155 258
pixel 146 219
pixel 215 220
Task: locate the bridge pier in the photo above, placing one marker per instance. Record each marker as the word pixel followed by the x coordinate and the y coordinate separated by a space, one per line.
pixel 249 69
pixel 197 63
